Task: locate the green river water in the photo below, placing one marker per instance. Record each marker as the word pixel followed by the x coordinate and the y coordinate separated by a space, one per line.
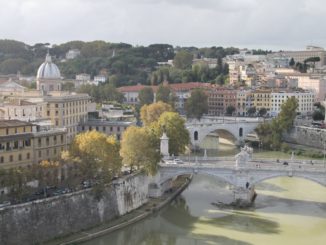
pixel 287 211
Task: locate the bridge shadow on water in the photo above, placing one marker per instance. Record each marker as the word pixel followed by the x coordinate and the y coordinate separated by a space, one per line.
pixel 179 215
pixel 291 206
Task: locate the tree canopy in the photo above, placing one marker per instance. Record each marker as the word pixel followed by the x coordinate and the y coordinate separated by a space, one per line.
pixel 139 148
pixel 183 59
pixel 146 96
pixel 197 105
pixel 270 133
pixel 151 113
pixel 97 154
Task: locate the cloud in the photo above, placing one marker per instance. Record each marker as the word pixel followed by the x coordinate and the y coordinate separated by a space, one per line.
pixel 277 24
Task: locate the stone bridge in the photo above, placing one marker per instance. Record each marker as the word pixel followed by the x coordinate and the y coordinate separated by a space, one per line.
pixel 243 179
pixel 238 127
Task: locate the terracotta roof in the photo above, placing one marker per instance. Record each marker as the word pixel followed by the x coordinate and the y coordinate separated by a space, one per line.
pixel 173 86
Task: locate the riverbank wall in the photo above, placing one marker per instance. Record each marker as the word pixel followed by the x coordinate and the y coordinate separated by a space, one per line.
pixel 42 220
pixel 313 137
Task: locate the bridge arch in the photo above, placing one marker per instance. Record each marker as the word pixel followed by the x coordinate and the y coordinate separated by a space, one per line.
pixel 231 180
pixel 312 178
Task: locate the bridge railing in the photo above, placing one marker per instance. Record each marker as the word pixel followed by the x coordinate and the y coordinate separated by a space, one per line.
pixel 250 166
pixel 253 159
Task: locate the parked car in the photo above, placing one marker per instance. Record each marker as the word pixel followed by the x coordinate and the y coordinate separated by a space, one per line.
pixel 178 161
pixel 174 161
pixel 285 163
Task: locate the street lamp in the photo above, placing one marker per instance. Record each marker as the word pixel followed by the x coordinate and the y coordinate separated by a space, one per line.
pixel 324 153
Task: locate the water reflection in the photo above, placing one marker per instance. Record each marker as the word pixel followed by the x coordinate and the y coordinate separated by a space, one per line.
pixel 287 211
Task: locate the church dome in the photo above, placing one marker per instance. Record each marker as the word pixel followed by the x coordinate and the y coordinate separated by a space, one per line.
pixel 48 70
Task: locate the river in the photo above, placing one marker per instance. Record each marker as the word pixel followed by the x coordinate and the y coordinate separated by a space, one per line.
pixel 287 211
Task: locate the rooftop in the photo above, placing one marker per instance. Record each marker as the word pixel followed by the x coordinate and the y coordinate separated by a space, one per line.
pixel 13 123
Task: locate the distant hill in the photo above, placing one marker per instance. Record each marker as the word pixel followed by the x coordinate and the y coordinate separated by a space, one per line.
pixel 123 63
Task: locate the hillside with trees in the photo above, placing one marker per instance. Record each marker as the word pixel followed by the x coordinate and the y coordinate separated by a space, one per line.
pixel 123 63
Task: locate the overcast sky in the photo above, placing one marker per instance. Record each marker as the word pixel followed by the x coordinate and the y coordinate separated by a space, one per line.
pixel 267 24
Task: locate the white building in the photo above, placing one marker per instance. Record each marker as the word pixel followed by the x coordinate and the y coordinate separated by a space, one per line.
pixel 72 54
pixel 305 100
pixel 99 79
pixel 83 77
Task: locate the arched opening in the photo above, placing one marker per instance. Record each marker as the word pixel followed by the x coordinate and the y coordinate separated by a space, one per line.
pixel 240 132
pixel 219 142
pixel 196 135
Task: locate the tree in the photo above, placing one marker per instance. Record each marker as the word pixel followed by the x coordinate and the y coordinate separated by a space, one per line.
pixel 288 113
pixel 151 113
pixel 163 94
pixel 68 86
pixel 229 110
pixel 251 111
pixel 140 148
pixel 319 112
pixel 262 111
pixel 146 96
pixel 270 133
pixel 96 154
pixel 197 104
pixel 292 62
pixel 174 126
pixel 183 60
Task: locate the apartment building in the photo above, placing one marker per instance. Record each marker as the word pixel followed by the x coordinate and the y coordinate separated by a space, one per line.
pixel 305 100
pixel 219 99
pixel 23 143
pixel 115 128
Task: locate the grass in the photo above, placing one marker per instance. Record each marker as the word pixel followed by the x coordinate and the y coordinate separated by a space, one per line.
pixel 281 155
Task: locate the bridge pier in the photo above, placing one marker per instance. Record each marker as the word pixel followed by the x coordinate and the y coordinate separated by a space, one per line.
pixel 244 197
pixel 156 188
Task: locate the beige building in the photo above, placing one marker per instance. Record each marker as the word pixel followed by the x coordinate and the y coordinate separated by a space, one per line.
pixel 23 143
pixel 261 99
pixel 301 56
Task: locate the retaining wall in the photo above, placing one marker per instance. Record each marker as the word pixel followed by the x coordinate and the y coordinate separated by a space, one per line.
pixel 41 220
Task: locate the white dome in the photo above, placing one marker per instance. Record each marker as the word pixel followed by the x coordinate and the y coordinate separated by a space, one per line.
pixel 48 70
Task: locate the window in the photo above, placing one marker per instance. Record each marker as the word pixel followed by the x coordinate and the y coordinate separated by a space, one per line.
pixel 39 153
pixel 28 155
pixel 39 142
pixel 19 157
pixel 11 158
pixel 2 159
pixel 47 141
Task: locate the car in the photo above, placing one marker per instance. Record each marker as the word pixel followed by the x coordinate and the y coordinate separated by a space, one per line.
pixel 178 161
pixel 285 163
pixel 170 162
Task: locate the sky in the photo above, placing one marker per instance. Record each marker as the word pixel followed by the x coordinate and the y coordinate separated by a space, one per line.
pixel 266 24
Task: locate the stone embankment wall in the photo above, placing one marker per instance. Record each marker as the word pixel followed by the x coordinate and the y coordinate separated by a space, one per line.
pixel 313 137
pixel 41 220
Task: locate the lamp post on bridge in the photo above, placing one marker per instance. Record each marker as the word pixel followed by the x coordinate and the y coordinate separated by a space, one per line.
pixel 324 153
